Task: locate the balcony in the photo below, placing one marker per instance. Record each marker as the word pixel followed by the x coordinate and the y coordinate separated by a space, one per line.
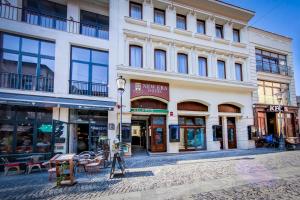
pixel 88 88
pixel 26 82
pixel 273 68
pixel 10 12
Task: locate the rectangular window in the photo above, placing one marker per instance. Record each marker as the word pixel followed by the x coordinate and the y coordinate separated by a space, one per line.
pixel 267 92
pixel 219 31
pixel 136 56
pixel 201 26
pixel 45 13
pixel 89 72
pixel 238 72
pixel 159 16
pixel 26 63
pixel 136 10
pixel 181 21
pixel 93 24
pixel 202 63
pixel 236 35
pixel 160 60
pixel 221 70
pixel 182 63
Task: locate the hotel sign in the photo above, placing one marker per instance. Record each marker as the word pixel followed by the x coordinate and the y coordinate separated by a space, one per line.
pixel 149 88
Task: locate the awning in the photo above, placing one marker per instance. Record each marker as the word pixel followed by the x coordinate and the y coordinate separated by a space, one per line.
pixel 47 101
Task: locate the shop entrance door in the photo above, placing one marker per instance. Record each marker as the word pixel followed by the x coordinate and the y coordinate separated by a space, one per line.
pixel 231 131
pixel 82 131
pixel 158 133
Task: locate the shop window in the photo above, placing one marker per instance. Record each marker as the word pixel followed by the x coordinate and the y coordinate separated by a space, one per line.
pixel 44 136
pixel 24 137
pixel 159 16
pixel 6 137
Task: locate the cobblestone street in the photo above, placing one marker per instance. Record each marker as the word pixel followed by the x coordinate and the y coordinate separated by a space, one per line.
pixel 240 174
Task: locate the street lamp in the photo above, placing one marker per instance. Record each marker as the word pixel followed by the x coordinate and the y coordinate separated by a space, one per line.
pixel 121 88
pixel 281 137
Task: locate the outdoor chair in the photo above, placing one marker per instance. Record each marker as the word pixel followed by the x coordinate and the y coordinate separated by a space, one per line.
pixel 50 165
pixel 33 163
pixel 94 165
pixel 8 166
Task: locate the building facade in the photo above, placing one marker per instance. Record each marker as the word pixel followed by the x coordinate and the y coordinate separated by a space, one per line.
pixel 193 71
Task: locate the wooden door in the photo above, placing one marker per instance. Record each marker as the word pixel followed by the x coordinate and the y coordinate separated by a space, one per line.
pixel 231 133
pixel 158 133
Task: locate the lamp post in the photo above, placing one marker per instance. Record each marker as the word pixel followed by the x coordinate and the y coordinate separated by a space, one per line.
pixel 281 136
pixel 121 88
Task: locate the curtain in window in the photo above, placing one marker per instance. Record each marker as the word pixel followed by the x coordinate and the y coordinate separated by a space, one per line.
pixel 219 32
pixel 236 36
pixel 135 11
pixel 202 66
pixel 221 70
pixel 136 56
pixel 238 72
pixel 160 60
pixel 180 22
pixel 159 17
pixel 201 27
pixel 182 63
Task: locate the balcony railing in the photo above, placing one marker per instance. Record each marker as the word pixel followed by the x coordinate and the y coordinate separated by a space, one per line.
pixel 26 82
pixel 8 11
pixel 273 68
pixel 88 88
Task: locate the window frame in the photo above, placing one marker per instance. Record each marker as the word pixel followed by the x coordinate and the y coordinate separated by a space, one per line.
pixel 165 53
pixel 187 63
pixel 238 34
pixel 204 26
pixel 142 61
pixel 159 10
pixel 183 16
pixel 137 4
pixel 222 61
pixel 241 70
pixel 219 26
pixel 206 72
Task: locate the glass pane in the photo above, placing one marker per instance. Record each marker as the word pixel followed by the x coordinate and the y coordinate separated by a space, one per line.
pixel 160 60
pixel 47 68
pixel 236 36
pixel 159 17
pixel 158 120
pixel 230 135
pixel 9 63
pixel 29 65
pixel 238 72
pixel 181 120
pixel 11 42
pixel 182 63
pixel 44 115
pixel 219 32
pixel 200 138
pixel 80 54
pixel 257 51
pixel 190 137
pixel 30 46
pixel 6 137
pixel 136 11
pixel 202 66
pixel 44 133
pixel 200 121
pixel 181 22
pixel 47 48
pixel 80 72
pixel 221 70
pixel 24 137
pixel 201 27
pixel 6 112
pixel 158 135
pixel 135 56
pixel 100 57
pixel 189 121
pixel 25 115
pixel 99 74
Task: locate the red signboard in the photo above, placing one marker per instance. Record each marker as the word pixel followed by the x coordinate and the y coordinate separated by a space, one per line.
pixel 149 88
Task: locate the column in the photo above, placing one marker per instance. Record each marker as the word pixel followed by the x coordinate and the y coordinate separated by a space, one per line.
pixel 62 114
pixel 169 58
pixel 172 107
pixel 211 120
pixel 73 13
pixel 242 133
pixel 171 17
pixel 224 131
pixel 210 26
pixel 230 68
pixel 212 68
pixel 244 34
pixel 147 11
pixel 191 22
pixel 191 63
pixel 62 69
pixel 228 33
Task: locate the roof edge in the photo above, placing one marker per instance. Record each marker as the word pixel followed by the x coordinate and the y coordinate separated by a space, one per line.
pixel 279 35
pixel 234 6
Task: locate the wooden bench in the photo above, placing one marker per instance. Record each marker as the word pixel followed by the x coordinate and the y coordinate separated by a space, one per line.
pixel 292 143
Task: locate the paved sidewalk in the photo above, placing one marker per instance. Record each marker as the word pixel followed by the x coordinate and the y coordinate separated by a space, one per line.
pixel 240 174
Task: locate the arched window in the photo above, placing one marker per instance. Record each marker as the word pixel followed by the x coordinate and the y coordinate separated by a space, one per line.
pixel 229 108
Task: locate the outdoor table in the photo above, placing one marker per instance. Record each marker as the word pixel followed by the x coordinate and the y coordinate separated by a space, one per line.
pixel 65 169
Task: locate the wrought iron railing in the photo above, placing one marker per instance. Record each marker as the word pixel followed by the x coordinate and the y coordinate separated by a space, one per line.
pixel 273 68
pixel 8 11
pixel 26 82
pixel 88 88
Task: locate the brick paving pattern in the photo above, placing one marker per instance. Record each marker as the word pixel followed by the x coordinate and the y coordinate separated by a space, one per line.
pixel 166 172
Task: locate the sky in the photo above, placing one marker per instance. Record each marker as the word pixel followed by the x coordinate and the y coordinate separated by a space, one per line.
pixel 277 16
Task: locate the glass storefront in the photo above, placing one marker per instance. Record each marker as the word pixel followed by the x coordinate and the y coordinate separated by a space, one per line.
pixel 25 130
pixel 192 133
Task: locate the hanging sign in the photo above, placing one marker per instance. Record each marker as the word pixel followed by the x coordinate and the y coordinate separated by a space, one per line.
pixel 148 88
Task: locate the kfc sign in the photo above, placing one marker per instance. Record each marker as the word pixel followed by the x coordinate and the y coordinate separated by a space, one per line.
pixel 149 88
pixel 276 108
